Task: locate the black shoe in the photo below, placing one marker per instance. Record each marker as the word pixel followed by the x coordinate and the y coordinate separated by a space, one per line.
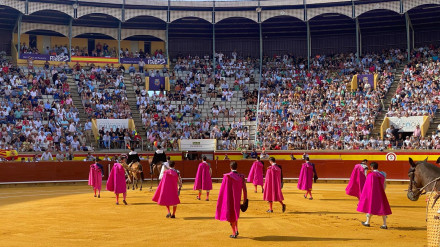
pixel 383 227
pixel 311 198
pixel 168 215
pixel 173 216
pixel 124 202
pixel 365 224
pixel 117 203
pixel 99 196
pixel 233 236
pixel 236 233
pixel 269 211
pixel 284 208
pixel 198 198
pixel 95 195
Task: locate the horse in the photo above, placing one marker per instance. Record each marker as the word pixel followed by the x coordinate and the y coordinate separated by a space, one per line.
pixel 155 172
pixel 423 177
pixel 135 175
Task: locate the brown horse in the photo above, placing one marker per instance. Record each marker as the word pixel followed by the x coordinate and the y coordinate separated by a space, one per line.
pixel 155 172
pixel 135 174
pixel 423 177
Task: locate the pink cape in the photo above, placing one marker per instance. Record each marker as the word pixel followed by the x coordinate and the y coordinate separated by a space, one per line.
pixel 203 178
pixel 373 199
pixel 95 177
pixel 228 203
pixel 357 181
pixel 305 180
pixel 167 193
pixel 116 179
pixel 272 186
pixel 256 173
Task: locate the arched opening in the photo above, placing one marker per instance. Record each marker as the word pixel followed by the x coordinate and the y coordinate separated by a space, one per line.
pixel 189 36
pixel 8 19
pixel 382 29
pixel 237 34
pixel 284 35
pixel 426 23
pixel 53 17
pixel 332 33
pixel 97 20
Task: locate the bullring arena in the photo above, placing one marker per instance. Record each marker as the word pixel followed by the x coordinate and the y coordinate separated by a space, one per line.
pixel 335 98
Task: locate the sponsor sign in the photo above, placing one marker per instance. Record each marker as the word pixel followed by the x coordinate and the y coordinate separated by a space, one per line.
pixel 111 124
pixel 198 145
pixel 147 61
pixel 406 124
pixel 45 57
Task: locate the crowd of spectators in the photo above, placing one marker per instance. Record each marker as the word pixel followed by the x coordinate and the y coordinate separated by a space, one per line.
pixel 37 111
pixel 418 92
pixel 102 92
pixel 315 108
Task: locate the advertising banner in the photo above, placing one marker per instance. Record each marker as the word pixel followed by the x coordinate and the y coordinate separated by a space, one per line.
pixel 112 124
pixel 45 57
pixel 198 145
pixel 147 61
pixel 406 124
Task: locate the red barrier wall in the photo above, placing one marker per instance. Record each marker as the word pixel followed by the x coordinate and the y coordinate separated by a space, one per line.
pixel 79 170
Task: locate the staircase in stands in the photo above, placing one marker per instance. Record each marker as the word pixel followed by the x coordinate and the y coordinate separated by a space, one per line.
pixel 387 101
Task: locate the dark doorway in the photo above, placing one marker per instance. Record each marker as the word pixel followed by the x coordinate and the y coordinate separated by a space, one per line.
pixel 147 47
pixel 91 46
pixel 33 41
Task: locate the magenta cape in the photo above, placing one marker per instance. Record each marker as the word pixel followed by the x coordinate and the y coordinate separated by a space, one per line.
pixel 95 177
pixel 373 199
pixel 203 178
pixel 116 179
pixel 228 203
pixel 272 186
pixel 305 180
pixel 167 193
pixel 256 173
pixel 357 181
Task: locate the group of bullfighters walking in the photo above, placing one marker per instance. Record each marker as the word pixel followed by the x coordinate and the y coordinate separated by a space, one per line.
pixel 368 187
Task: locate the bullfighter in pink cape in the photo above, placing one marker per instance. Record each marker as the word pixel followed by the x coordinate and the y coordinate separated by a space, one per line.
pixel 273 184
pixel 95 178
pixel 203 179
pixel 306 177
pixel 373 200
pixel 167 193
pixel 116 180
pixel 357 179
pixel 256 174
pixel 228 203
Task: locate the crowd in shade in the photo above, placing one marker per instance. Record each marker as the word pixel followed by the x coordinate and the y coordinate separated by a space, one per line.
pixel 165 122
pixel 126 53
pixel 37 111
pixel 418 93
pixel 316 108
pixel 102 92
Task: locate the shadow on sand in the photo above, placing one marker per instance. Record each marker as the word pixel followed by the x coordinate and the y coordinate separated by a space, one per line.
pixel 212 218
pixel 321 212
pixel 403 206
pixel 142 203
pixel 338 199
pixel 409 228
pixel 296 238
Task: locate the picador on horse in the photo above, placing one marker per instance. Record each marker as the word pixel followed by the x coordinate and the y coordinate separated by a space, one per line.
pixel 135 171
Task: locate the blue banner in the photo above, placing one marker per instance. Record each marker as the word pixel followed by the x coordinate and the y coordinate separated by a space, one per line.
pixel 156 83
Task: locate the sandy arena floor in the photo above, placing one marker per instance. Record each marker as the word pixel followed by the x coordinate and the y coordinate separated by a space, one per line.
pixel 71 216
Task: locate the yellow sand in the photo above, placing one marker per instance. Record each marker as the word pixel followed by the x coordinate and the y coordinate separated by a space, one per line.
pixel 71 216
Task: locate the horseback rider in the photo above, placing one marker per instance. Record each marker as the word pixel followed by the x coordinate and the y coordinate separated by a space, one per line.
pixel 159 156
pixel 133 157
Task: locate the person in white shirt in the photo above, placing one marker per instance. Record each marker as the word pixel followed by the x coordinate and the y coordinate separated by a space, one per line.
pixel 46 156
pixel 165 166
